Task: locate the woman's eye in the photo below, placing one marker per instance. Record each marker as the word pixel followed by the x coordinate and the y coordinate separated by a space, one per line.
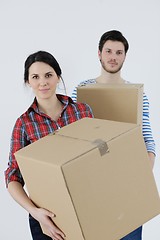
pixel 48 75
pixel 35 77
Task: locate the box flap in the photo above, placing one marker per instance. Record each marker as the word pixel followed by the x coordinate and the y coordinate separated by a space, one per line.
pixel 48 148
pixel 73 140
pixel 90 129
pixel 111 85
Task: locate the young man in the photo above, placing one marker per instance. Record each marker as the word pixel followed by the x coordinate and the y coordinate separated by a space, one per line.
pixel 113 48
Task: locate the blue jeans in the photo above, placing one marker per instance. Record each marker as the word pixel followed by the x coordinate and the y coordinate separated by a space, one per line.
pixel 37 233
pixel 135 235
pixel 36 230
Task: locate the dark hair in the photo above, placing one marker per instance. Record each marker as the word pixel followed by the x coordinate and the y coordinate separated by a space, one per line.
pixel 41 56
pixel 113 35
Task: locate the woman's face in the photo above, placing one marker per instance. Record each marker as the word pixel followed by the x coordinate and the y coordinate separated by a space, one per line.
pixel 43 80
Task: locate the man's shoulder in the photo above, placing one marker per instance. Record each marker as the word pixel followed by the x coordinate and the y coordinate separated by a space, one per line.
pixel 88 81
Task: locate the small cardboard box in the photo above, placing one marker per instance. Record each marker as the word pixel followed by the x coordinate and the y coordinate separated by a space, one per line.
pixel 115 102
pixel 95 176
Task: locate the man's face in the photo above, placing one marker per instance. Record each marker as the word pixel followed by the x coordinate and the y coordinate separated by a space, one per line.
pixel 112 56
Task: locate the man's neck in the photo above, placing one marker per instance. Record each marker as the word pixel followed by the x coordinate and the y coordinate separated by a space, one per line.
pixel 110 78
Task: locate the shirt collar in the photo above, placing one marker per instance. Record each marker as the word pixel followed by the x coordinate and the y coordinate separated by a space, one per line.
pixel 65 100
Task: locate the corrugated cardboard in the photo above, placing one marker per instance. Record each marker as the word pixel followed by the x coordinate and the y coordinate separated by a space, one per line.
pixel 95 176
pixel 116 102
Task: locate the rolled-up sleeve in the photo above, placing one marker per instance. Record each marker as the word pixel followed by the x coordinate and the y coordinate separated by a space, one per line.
pixel 18 141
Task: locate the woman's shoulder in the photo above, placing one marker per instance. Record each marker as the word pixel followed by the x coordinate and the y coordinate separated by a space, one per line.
pixel 24 116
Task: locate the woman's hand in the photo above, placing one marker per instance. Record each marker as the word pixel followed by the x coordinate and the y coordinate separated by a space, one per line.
pixel 44 216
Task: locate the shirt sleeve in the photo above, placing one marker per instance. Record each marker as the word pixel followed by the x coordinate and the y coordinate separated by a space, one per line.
pixel 18 141
pixel 83 83
pixel 89 111
pixel 146 127
pixel 74 94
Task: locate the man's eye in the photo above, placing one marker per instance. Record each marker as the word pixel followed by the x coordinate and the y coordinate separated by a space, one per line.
pixel 119 53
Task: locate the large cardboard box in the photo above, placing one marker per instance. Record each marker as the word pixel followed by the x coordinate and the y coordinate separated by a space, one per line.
pixel 116 102
pixel 95 176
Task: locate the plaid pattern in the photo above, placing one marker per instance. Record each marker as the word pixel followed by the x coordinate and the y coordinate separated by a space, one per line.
pixel 33 125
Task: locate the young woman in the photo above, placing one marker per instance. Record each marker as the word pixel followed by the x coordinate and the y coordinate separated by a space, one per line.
pixel 48 112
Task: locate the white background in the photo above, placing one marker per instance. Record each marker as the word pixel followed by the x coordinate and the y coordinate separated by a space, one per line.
pixel 70 30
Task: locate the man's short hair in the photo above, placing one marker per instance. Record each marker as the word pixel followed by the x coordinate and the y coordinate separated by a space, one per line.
pixel 113 35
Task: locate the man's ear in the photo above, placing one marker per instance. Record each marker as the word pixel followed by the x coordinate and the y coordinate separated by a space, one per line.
pixel 99 55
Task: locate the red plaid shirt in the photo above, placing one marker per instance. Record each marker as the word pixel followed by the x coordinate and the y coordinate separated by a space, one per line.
pixel 33 125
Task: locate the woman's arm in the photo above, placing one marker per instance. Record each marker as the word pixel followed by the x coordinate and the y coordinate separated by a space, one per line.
pixel 43 216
